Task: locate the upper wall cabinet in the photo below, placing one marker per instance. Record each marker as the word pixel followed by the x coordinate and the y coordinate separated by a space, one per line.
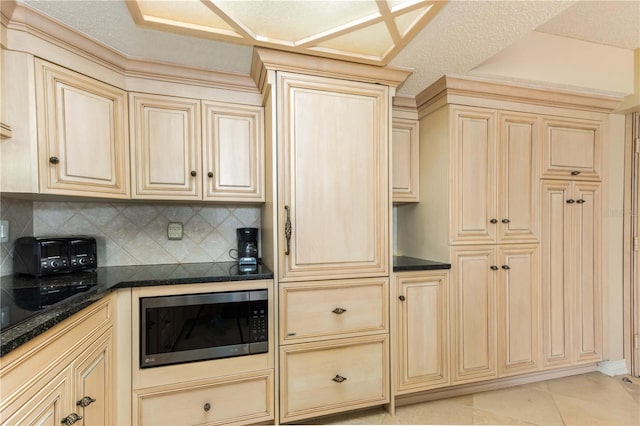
pixel 166 147
pixel 572 149
pixel 187 149
pixel 82 134
pixel 404 153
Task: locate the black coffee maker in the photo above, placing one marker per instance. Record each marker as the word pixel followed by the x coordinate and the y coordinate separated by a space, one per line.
pixel 247 249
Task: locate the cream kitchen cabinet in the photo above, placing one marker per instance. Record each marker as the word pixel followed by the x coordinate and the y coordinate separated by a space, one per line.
pixel 494 169
pixel 83 145
pixel 405 167
pixel 571 272
pixel 64 376
pixel 331 376
pixel 572 149
pixel 421 330
pixel 518 294
pixel 187 149
pixel 473 313
pixel 333 186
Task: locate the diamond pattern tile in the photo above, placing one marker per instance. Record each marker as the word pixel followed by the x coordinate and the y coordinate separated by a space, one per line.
pixel 131 234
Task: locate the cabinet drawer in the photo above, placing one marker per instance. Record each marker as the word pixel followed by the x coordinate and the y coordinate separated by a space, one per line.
pixel 330 377
pixel 332 308
pixel 571 149
pixel 210 403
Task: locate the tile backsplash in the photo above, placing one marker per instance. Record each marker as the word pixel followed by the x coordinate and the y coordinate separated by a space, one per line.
pixel 19 213
pixel 136 233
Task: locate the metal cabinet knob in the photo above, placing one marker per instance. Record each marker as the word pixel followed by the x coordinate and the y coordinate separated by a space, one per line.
pixel 193 173
pixel 54 160
pixel 71 419
pixel 575 173
pixel 494 221
pixel 506 267
pixel 402 298
pixel 339 379
pixel 505 221
pixel 494 268
pixel 571 201
pixel 207 407
pixel 580 201
pixel 85 401
pixel 210 174
pixel 339 311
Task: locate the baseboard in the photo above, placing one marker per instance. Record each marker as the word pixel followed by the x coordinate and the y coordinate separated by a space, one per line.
pixel 613 368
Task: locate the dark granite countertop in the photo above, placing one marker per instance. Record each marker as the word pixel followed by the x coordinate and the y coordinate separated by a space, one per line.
pixel 406 263
pixel 30 306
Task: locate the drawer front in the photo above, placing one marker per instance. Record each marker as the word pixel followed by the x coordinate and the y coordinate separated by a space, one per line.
pixel 210 403
pixel 332 309
pixel 330 377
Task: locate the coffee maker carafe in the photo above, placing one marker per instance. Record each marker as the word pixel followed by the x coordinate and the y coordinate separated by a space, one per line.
pixel 247 249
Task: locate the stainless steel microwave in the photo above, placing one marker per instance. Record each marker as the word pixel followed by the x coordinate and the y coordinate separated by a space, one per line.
pixel 198 327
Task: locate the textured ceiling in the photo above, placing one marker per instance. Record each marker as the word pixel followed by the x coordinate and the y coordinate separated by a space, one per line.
pixel 461 36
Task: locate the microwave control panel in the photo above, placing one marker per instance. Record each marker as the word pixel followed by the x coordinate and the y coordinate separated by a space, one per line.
pixel 258 322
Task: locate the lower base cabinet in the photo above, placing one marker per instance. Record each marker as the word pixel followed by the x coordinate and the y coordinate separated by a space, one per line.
pixel 241 399
pixel 64 376
pixel 328 377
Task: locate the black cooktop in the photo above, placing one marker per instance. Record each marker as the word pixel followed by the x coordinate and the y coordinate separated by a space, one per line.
pixel 28 296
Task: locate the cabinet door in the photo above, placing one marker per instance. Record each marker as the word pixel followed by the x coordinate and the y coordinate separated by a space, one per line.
pixel 233 152
pixel 422 325
pixel 473 176
pixel 166 147
pixel 473 313
pixel 94 387
pixel 571 149
pixel 82 134
pixel 587 254
pixel 518 171
pixel 404 166
pixel 518 320
pixel 556 252
pixel 48 407
pixel 334 184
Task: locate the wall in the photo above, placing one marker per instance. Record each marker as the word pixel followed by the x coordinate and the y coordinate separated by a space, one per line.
pixel 134 233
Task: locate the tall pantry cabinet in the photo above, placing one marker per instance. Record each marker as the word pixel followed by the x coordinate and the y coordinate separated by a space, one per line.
pixel 511 195
pixel 326 228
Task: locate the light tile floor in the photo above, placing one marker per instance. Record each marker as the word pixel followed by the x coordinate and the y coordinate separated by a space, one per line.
pixel 586 399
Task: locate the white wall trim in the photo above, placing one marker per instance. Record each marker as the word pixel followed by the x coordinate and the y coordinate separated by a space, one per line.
pixel 613 368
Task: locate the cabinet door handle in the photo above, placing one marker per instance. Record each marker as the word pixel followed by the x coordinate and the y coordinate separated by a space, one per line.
pixel 54 160
pixel 193 173
pixel 506 267
pixel 575 173
pixel 494 221
pixel 505 221
pixel 580 201
pixel 287 230
pixel 339 311
pixel 494 268
pixel 339 379
pixel 85 401
pixel 71 419
pixel 206 407
pixel 210 174
pixel 571 201
pixel 402 298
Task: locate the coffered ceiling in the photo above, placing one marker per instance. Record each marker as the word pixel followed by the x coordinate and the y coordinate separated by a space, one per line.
pixel 433 38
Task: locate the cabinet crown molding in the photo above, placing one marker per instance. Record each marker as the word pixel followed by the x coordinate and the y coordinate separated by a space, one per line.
pixel 449 86
pixel 268 59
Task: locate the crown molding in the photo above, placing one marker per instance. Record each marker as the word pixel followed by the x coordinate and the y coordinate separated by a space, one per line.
pixel 21 18
pixel 449 87
pixel 269 59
